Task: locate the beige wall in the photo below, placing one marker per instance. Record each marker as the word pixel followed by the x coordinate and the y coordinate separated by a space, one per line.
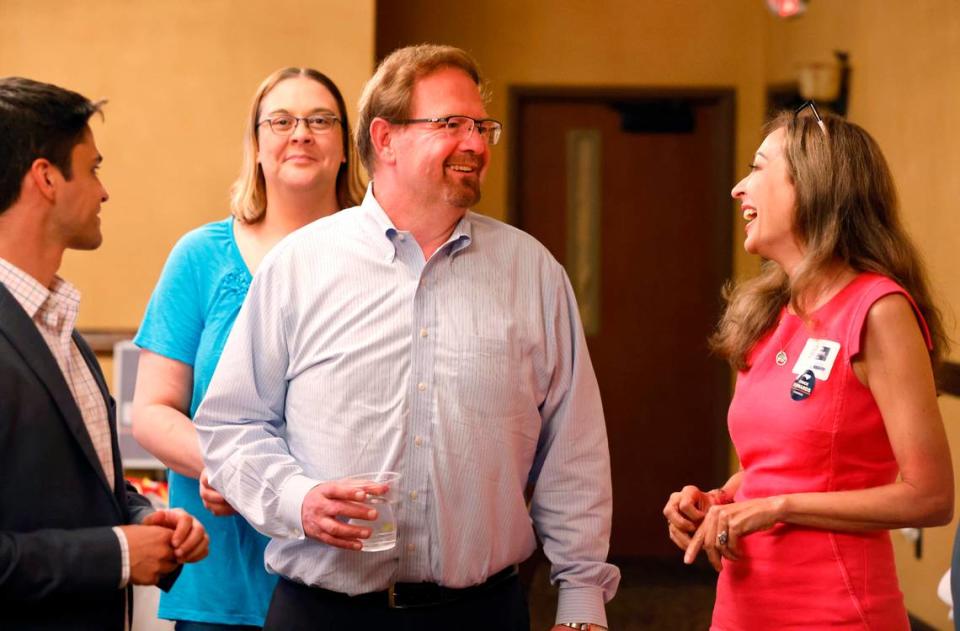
pixel 906 87
pixel 179 76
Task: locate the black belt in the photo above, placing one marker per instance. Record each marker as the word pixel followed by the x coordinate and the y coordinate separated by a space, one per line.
pixel 411 595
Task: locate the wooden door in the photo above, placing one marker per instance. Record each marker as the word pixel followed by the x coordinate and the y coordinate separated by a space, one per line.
pixel 661 251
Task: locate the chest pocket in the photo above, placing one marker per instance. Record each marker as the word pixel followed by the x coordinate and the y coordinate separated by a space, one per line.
pixel 488 377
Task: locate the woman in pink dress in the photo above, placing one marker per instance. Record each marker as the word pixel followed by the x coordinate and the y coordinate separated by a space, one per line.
pixel 834 416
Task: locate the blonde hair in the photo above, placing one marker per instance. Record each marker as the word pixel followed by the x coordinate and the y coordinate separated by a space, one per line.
pixel 388 92
pixel 248 195
pixel 846 211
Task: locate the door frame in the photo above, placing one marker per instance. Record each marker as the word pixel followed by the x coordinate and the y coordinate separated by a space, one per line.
pixel 722 256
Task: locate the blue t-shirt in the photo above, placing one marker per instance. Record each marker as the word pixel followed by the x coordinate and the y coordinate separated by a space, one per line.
pixel 188 319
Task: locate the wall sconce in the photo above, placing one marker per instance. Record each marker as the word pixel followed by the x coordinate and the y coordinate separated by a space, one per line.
pixel 827 83
pixel 787 8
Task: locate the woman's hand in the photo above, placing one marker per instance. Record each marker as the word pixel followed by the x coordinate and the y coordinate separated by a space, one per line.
pixel 685 511
pixel 724 525
pixel 213 501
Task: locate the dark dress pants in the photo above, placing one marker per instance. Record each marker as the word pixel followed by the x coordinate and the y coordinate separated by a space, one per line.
pixel 295 607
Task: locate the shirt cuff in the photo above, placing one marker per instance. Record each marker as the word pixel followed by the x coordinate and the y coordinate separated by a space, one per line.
pixel 124 557
pixel 291 504
pixel 581 604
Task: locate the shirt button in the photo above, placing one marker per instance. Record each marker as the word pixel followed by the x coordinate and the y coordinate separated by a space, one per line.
pixel 413 495
pixel 421 386
pixel 418 441
pixel 423 333
pixel 411 547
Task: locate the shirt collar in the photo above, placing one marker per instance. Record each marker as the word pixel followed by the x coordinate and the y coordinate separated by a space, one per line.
pixel 34 297
pixel 462 234
pixel 379 226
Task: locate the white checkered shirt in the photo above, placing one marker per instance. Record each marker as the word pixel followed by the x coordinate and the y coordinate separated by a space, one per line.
pixel 54 311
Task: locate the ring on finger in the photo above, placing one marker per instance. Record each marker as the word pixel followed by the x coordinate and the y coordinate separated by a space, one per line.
pixel 722 538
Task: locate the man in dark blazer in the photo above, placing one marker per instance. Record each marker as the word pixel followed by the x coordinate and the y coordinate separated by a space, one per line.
pixel 73 535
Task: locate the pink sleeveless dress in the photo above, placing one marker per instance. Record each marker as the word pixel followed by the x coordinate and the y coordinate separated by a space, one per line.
pixel 794 437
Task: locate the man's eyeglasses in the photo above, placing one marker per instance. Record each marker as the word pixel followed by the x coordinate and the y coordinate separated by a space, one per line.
pixel 284 124
pixel 816 114
pixel 460 127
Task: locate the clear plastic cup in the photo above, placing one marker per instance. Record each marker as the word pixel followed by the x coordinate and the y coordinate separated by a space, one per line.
pixel 383 534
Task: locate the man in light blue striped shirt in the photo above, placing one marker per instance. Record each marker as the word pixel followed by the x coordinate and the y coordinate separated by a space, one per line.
pixel 410 334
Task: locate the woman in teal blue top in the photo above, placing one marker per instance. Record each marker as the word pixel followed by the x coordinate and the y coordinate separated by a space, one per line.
pixel 297 167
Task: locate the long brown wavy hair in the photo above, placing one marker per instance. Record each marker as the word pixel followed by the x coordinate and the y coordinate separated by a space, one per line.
pixel 846 211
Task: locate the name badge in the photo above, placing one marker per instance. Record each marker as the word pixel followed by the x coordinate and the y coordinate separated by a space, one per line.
pixel 818 357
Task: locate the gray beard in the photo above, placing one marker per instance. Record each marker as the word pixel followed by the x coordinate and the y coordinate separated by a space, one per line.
pixel 462 195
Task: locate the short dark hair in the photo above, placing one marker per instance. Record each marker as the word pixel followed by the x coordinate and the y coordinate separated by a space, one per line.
pixel 37 120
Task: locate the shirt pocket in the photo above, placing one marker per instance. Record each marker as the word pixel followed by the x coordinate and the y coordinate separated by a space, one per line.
pixel 488 382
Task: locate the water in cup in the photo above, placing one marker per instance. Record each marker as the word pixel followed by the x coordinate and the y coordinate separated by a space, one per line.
pixel 383 535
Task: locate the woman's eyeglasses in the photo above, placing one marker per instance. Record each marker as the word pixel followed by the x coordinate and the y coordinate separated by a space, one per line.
pixel 284 124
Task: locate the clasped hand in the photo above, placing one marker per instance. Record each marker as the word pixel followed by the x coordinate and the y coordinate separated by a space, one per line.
pixel 695 521
pixel 327 507
pixel 164 540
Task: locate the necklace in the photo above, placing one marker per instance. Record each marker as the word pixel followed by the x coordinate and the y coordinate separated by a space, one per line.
pixel 781 357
